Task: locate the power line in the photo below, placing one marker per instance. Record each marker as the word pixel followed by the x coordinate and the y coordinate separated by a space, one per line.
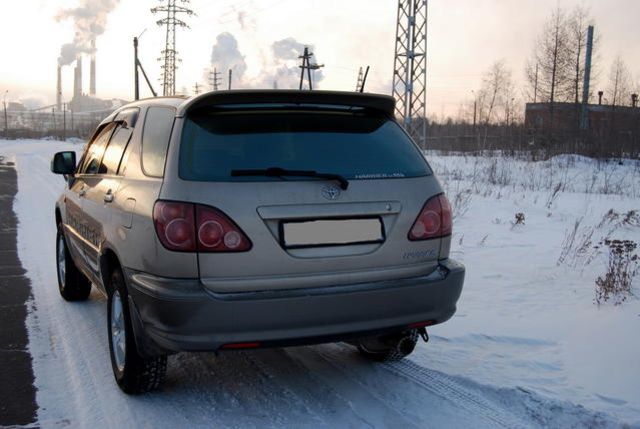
pixel 169 54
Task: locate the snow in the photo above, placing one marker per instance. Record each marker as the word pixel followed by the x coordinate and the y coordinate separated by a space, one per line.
pixel 527 348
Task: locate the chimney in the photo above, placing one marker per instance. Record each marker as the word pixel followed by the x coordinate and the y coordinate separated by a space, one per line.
pixel 92 70
pixel 59 89
pixel 600 94
pixel 587 66
pixel 77 84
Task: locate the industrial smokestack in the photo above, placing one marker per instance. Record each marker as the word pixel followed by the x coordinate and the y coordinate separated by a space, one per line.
pixel 92 70
pixel 77 84
pixel 59 89
pixel 587 66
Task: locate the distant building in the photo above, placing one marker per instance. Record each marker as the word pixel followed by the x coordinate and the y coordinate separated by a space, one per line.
pixel 570 118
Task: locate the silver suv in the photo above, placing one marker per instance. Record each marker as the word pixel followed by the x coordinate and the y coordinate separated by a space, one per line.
pixel 248 219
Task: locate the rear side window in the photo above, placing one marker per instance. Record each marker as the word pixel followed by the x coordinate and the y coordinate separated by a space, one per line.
pixel 95 151
pixel 117 145
pixel 355 145
pixel 155 139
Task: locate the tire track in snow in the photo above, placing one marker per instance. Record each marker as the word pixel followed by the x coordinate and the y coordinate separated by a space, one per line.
pixel 455 392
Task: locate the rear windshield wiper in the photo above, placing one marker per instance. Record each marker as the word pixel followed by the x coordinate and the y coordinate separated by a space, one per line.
pixel 280 172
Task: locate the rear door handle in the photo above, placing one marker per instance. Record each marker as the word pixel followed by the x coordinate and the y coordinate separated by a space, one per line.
pixel 108 197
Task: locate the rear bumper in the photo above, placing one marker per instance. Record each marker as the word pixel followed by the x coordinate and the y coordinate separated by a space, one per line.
pixel 171 315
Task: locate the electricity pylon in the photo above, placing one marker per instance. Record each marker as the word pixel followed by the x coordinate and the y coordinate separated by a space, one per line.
pixel 169 54
pixel 410 68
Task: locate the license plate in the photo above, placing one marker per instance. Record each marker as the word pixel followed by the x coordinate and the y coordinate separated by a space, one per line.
pixel 332 232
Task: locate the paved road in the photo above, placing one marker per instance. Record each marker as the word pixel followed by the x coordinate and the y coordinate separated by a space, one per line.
pixel 17 392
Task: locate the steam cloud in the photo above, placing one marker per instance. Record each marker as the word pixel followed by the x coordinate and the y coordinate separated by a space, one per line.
pixel 281 70
pixel 90 21
pixel 225 55
pixel 287 70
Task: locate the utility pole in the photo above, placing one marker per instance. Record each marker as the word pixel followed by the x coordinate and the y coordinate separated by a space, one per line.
pixel 6 121
pixel 136 77
pixel 364 79
pixel 475 109
pixel 138 66
pixel 196 89
pixel 535 86
pixel 169 54
pixel 306 65
pixel 410 68
pixel 214 79
pixel 230 77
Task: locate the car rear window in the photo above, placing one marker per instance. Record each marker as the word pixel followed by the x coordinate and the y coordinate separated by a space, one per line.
pixel 356 145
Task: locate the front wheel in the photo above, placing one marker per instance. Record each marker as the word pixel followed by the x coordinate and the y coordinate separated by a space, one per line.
pixel 72 284
pixel 389 348
pixel 134 374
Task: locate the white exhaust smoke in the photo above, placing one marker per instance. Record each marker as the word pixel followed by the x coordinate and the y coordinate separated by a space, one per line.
pixel 90 21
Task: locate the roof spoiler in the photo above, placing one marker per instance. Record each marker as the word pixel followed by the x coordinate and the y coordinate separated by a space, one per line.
pixel 382 103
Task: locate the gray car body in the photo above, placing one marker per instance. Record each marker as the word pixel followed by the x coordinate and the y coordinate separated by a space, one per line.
pixel 270 294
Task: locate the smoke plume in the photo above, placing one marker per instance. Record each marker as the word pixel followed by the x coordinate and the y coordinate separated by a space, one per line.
pixel 90 21
pixel 225 56
pixel 279 69
pixel 286 53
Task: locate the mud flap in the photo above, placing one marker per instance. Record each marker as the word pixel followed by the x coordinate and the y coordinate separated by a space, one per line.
pixel 147 348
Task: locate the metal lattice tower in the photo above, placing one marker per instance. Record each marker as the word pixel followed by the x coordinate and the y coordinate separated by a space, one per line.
pixel 169 54
pixel 410 68
pixel 360 79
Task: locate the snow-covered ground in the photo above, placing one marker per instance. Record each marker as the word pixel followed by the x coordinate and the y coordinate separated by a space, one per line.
pixel 527 348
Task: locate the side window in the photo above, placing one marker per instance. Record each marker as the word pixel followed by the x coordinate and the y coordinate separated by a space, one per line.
pixel 155 139
pixel 115 149
pixel 93 157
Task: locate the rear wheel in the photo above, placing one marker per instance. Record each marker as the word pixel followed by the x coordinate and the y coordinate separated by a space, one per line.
pixel 389 348
pixel 133 373
pixel 73 285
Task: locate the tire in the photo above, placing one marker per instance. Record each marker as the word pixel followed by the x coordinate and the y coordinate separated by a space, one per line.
pixel 72 284
pixel 133 373
pixel 389 348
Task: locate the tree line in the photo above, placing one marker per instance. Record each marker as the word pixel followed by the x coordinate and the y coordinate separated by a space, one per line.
pixel 553 73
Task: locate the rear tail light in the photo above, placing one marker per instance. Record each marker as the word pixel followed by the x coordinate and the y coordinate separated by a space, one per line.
pixel 217 233
pixel 434 220
pixel 175 225
pixel 187 227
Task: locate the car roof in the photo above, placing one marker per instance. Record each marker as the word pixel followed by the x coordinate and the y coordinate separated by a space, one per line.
pixel 183 104
pixel 380 102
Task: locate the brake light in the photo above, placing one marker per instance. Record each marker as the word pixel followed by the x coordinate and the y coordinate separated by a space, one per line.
pixel 187 227
pixel 217 233
pixel 434 220
pixel 175 225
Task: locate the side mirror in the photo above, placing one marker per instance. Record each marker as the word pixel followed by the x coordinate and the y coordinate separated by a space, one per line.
pixel 64 163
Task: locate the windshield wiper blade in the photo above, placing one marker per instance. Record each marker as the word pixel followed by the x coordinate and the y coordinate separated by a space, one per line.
pixel 280 172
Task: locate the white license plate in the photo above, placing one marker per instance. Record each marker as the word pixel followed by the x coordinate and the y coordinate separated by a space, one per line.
pixel 331 232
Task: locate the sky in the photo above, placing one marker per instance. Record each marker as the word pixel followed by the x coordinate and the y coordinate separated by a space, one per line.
pixel 464 38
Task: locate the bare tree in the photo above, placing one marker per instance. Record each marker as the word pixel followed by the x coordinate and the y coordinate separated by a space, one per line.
pixel 577 24
pixel 619 83
pixel 496 91
pixel 551 59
